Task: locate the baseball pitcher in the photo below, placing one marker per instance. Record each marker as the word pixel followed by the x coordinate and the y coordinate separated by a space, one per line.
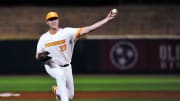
pixel 55 49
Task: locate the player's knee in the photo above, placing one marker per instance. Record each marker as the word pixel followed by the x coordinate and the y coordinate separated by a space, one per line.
pixel 60 77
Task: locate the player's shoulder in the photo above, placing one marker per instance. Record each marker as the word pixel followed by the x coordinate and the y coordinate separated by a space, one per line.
pixel 68 28
pixel 44 35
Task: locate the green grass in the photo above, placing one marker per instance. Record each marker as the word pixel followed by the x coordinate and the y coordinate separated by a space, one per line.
pixel 128 83
pixel 94 83
pixel 25 83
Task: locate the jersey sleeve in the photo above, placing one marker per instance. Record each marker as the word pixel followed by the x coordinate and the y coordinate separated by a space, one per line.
pixel 78 33
pixel 74 32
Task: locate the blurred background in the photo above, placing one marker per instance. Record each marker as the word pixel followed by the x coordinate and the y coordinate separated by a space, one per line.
pixel 143 39
pixel 137 53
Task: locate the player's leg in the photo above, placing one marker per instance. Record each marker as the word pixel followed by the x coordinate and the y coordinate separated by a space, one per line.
pixel 59 75
pixel 70 82
pixel 61 85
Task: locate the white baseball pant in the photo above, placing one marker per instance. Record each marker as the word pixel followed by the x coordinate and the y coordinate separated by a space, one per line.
pixel 64 80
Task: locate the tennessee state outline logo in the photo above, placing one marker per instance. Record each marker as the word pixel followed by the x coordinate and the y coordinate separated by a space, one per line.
pixel 123 55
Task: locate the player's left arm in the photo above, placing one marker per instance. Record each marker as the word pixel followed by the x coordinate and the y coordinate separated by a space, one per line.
pixel 98 24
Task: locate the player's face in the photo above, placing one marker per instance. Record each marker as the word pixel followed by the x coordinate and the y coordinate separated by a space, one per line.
pixel 53 22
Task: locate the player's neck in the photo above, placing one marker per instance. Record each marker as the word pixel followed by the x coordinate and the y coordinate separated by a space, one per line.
pixel 53 31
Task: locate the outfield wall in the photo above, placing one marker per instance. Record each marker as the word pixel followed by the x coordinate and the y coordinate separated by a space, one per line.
pixel 139 55
pixel 131 20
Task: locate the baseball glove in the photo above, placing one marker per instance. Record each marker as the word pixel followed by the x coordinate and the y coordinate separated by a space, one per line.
pixel 43 57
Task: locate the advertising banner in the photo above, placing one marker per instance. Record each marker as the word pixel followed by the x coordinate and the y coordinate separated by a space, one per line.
pixel 141 55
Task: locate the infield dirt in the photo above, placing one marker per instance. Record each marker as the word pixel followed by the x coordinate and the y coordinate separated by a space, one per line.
pixel 86 95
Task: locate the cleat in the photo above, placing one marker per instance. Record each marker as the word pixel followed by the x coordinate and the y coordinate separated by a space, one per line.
pixel 58 98
pixel 54 88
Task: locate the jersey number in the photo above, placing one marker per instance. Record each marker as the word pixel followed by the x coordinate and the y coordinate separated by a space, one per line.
pixel 63 48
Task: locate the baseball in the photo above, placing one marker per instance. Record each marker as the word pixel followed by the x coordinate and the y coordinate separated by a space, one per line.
pixel 114 11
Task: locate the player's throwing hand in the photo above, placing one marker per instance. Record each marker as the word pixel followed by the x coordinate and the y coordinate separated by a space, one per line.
pixel 112 14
